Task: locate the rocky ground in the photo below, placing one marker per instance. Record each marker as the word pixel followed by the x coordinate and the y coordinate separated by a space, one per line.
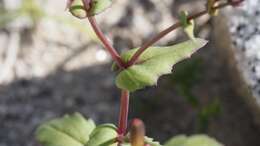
pixel 60 68
pixel 245 34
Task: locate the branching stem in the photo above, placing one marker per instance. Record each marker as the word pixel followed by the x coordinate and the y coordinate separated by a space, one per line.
pixel 124 104
pixel 152 41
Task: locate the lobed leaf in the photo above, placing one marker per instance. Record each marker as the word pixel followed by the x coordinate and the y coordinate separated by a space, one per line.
pixel 153 63
pixel 67 131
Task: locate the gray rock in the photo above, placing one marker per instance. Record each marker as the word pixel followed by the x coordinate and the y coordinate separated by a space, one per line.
pixel 238 34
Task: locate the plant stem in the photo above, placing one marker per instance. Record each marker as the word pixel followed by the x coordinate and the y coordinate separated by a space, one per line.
pixel 123 115
pixel 150 42
pixel 114 54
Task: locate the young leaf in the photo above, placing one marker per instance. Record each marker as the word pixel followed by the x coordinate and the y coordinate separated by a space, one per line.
pixel 188 26
pixel 78 9
pixel 153 63
pixel 98 6
pixel 103 135
pixel 67 131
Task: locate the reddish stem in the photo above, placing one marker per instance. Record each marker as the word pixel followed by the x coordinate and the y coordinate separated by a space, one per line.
pixel 123 115
pixel 116 57
pixel 150 42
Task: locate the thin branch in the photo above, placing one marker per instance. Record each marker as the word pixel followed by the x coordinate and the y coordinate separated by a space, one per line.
pixel 114 54
pixel 172 28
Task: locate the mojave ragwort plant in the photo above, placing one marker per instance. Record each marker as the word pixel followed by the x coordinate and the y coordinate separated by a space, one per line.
pixel 137 68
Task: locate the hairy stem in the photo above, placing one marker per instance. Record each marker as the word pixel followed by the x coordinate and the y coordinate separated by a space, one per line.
pixel 172 28
pixel 114 54
pixel 123 115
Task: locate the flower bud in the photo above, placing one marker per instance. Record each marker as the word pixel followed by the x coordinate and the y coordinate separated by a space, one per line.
pixel 77 8
pixel 137 133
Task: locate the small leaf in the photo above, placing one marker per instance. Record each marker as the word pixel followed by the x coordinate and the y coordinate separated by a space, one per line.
pixel 187 25
pixel 153 63
pixel 78 9
pixel 98 6
pixel 103 135
pixel 67 131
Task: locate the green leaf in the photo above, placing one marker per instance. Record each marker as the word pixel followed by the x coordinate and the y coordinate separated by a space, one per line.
pixel 97 6
pixel 153 63
pixel 67 131
pixel 196 140
pixel 103 135
pixel 187 25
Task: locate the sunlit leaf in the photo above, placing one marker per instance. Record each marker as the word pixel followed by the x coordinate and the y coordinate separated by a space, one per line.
pixel 153 63
pixel 67 131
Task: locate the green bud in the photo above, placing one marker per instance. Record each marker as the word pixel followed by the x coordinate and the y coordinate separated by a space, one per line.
pixel 77 9
pixel 137 133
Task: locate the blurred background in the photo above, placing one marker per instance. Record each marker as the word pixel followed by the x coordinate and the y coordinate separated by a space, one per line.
pixel 52 63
